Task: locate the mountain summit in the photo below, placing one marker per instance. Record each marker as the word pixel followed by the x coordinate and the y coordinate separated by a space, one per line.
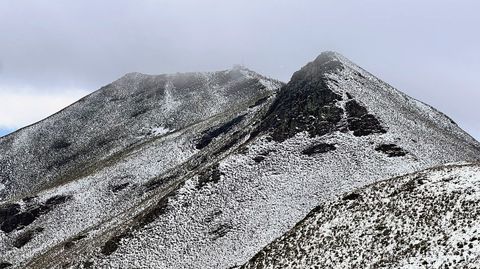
pixel 202 170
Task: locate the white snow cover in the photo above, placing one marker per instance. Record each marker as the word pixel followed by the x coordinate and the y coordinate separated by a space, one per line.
pixel 256 202
pixel 428 219
pixel 215 220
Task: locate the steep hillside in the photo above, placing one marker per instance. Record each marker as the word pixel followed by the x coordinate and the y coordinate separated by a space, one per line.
pixel 428 219
pixel 122 115
pixel 232 166
pixel 98 158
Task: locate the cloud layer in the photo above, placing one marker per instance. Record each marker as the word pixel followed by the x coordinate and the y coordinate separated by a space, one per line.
pixel 19 109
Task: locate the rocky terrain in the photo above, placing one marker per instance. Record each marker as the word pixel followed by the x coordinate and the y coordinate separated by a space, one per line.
pixel 428 219
pixel 203 170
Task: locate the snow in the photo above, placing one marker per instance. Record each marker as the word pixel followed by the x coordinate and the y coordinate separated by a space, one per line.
pixel 415 228
pixel 161 131
pixel 153 123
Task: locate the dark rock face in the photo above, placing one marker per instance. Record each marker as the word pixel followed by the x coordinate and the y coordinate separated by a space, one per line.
pixel 56 200
pixel 120 187
pixel 211 134
pixel 8 210
pixel 5 265
pixel 26 237
pixel 258 159
pixel 211 175
pixel 351 196
pixel 20 220
pixel 14 219
pixel 307 103
pixel 303 106
pixel 319 148
pixel 360 122
pixel 391 150
pixel 111 245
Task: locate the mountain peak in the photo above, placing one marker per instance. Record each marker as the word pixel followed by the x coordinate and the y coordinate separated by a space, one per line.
pixel 329 56
pixel 326 62
pixel 195 161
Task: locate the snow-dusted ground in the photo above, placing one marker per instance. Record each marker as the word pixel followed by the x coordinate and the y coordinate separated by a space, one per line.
pixel 188 185
pixel 116 180
pixel 428 219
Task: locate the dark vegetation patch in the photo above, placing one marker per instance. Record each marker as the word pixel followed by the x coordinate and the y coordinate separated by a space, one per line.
pixel 220 231
pixel 5 265
pixel 160 208
pixel 351 197
pixel 319 148
pixel 120 187
pixel 222 129
pixel 61 144
pixel 155 183
pixel 56 200
pixel 360 122
pixel 111 245
pixel 139 112
pixel 407 187
pixel 391 150
pixel 70 243
pixel 26 237
pixel 63 160
pixel 87 264
pixel 28 199
pixel 210 175
pixel 232 142
pixel 258 159
pixel 15 219
pixel 266 152
pixel 259 102
pixel 8 210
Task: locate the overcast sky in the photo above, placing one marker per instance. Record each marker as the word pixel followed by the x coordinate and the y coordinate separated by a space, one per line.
pixel 52 52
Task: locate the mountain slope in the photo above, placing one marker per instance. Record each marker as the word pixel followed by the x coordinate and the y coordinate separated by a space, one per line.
pixel 428 219
pixel 105 179
pixel 226 183
pixel 123 114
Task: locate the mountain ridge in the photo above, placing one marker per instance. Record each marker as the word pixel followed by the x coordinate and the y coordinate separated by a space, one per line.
pixel 211 185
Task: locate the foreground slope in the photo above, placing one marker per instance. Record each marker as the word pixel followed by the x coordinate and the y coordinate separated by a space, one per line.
pixel 428 219
pixel 214 192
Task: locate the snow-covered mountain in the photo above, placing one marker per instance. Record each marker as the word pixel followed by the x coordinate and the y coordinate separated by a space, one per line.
pixel 203 170
pixel 428 219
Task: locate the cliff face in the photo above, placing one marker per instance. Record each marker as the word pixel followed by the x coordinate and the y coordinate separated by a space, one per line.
pixel 203 170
